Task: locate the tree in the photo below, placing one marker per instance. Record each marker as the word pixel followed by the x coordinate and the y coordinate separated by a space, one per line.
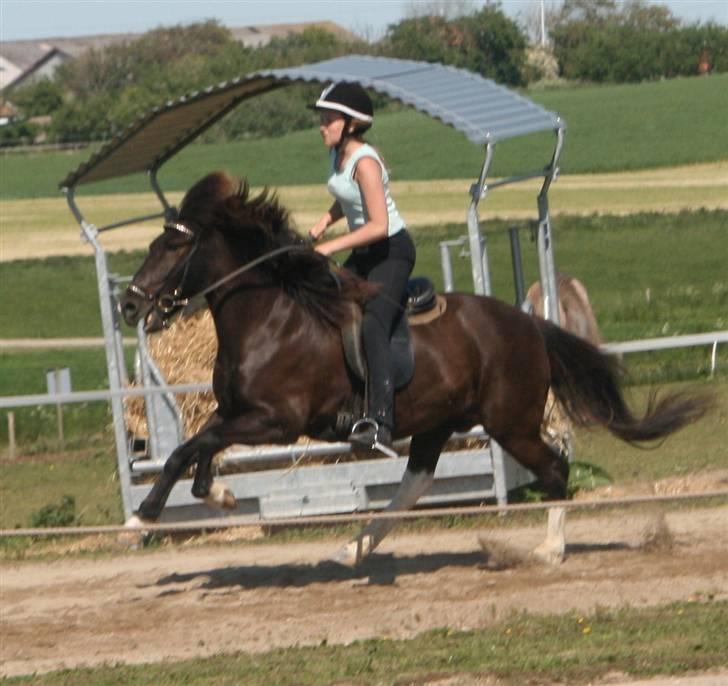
pixel 486 42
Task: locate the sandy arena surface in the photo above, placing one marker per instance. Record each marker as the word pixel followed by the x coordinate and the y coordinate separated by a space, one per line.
pixel 142 606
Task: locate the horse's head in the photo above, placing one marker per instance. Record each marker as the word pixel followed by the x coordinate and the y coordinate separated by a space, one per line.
pixel 170 272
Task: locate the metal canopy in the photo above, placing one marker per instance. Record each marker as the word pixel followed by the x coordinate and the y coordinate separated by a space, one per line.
pixel 479 108
pixel 485 112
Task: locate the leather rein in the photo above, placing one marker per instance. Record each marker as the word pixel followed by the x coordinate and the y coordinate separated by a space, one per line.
pixel 167 303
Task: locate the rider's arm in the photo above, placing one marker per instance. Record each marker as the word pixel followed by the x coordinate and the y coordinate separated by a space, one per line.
pixel 331 217
pixel 368 176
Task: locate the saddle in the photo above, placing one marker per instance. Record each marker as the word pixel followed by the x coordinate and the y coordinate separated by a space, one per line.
pixel 423 306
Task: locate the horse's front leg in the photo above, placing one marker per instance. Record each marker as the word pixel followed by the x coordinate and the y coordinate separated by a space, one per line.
pixel 175 466
pixel 217 434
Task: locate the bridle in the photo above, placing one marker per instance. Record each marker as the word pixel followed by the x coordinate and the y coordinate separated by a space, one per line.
pixel 168 303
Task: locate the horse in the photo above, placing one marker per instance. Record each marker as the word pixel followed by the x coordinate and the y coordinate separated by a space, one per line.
pixel 576 316
pixel 575 311
pixel 281 371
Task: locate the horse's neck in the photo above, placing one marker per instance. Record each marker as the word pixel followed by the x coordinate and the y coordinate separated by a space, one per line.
pixel 252 319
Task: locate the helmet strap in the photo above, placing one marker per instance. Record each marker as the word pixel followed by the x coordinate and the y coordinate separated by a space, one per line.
pixel 345 135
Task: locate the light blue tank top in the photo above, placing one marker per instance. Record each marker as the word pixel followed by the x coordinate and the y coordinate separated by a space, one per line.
pixel 345 189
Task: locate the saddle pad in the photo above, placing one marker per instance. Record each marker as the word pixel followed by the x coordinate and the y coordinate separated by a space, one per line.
pixel 430 315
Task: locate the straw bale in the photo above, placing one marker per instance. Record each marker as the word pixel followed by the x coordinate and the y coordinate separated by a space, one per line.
pixel 184 353
pixel 556 428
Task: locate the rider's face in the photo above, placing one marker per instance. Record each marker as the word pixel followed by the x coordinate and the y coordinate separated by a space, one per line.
pixel 331 127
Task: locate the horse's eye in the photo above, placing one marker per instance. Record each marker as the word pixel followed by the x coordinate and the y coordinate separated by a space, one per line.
pixel 174 241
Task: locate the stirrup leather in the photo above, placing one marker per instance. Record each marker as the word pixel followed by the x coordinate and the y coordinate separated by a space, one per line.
pixel 362 425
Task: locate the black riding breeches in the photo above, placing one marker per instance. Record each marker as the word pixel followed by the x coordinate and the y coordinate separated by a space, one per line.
pixel 389 263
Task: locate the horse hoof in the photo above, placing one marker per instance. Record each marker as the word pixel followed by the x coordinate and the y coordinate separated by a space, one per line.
pixel 220 497
pixel 134 537
pixel 549 553
pixel 552 550
pixel 347 555
pixel 351 554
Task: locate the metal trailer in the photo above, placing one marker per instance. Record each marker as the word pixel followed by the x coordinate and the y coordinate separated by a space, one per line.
pixel 484 112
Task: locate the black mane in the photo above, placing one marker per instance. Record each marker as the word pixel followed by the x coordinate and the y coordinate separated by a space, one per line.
pixel 255 226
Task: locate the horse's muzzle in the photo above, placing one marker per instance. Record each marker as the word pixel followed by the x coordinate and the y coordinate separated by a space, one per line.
pixel 130 309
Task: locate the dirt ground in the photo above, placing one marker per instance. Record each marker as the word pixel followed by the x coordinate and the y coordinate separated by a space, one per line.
pixel 191 600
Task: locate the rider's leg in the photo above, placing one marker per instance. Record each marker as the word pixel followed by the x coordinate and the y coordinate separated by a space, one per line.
pixel 391 271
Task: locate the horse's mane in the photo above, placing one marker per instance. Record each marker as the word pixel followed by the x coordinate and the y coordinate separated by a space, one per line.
pixel 254 226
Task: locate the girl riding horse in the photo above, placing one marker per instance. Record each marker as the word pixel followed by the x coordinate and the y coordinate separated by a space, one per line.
pixel 382 250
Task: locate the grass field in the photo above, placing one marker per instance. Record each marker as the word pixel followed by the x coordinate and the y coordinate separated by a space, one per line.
pixel 610 128
pixel 43 227
pixel 525 649
pixel 647 275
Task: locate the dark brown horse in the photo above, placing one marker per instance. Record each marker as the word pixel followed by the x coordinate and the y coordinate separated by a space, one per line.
pixel 281 371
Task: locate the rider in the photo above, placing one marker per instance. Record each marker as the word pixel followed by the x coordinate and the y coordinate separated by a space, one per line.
pixel 382 249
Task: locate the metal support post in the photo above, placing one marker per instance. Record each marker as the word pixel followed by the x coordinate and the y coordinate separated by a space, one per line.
pixel 545 240
pixel 478 246
pixel 112 345
pixel 448 282
pixel 517 262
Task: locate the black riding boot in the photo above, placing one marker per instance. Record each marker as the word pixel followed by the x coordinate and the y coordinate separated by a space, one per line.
pixel 374 432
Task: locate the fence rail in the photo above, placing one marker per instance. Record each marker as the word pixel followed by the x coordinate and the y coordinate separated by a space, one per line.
pixel 643 345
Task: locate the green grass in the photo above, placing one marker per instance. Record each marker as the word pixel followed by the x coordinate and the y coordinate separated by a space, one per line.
pixel 56 296
pixel 610 128
pixel 647 275
pixel 700 447
pixel 569 648
pixel 89 475
pixel 36 428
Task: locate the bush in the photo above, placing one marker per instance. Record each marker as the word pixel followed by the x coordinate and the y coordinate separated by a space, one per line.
pixel 62 514
pixel 603 40
pixel 17 133
pixel 38 99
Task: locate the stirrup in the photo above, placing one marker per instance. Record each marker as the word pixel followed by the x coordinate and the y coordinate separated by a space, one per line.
pixel 365 425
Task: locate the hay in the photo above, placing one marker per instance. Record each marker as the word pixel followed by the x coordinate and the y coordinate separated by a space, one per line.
pixel 184 353
pixel 556 428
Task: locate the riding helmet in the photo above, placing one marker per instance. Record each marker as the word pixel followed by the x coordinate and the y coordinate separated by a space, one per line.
pixel 348 98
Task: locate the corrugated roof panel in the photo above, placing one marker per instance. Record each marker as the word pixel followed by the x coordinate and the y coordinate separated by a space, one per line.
pixel 479 108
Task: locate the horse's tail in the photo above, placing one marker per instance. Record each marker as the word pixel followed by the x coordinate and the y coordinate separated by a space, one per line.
pixel 586 381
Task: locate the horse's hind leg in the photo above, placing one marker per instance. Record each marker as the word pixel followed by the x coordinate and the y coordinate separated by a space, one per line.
pixel 417 479
pixel 547 465
pixel 553 473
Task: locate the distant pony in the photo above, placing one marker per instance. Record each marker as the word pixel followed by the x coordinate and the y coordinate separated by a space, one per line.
pixel 576 316
pixel 575 310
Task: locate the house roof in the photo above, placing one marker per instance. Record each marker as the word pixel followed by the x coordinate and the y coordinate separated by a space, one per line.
pixel 481 109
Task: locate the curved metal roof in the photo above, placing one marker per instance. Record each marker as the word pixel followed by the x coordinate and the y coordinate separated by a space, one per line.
pixel 479 108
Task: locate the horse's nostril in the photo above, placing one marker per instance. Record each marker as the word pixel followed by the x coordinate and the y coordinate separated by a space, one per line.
pixel 129 310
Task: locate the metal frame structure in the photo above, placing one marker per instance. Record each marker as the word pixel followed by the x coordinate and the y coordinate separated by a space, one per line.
pixel 483 111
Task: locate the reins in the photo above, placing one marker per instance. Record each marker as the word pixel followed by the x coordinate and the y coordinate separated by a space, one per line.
pixel 242 270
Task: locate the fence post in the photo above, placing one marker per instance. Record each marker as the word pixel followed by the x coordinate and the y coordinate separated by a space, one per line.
pixel 11 435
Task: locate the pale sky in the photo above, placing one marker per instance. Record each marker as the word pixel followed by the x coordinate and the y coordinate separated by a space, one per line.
pixel 32 19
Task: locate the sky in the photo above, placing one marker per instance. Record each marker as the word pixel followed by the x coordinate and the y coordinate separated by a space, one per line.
pixel 33 19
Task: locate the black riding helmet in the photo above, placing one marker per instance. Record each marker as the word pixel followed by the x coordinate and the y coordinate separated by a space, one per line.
pixel 351 100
